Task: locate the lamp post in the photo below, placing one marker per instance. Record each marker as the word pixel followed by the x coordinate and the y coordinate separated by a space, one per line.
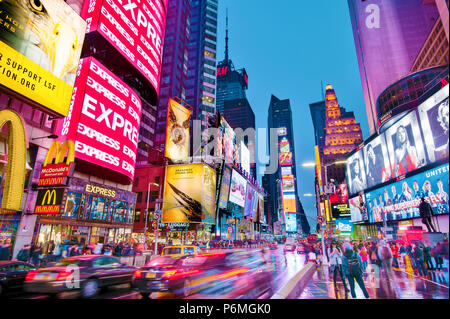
pixel 146 214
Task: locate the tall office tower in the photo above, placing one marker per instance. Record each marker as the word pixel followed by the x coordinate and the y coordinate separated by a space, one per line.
pixel 388 36
pixel 282 186
pixel 174 71
pixel 342 135
pixel 318 116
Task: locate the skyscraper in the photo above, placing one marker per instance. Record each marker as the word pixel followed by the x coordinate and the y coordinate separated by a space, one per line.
pixel 282 186
pixel 388 36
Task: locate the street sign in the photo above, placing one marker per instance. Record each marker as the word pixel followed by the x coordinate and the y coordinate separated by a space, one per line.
pixel 157 215
pixel 320 219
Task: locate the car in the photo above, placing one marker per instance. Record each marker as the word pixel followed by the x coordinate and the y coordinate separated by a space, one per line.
pixel 86 273
pixel 273 245
pixel 12 275
pixel 289 247
pixel 180 250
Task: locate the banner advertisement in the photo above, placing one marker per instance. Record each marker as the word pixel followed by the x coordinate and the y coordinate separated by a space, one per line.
pixel 289 203
pixel 434 121
pixel 225 188
pixel 49 201
pixel 229 140
pixel 177 133
pixel 104 119
pixel 288 183
pixel 377 165
pixel 345 228
pixel 189 194
pixel 261 216
pixel 358 210
pixel 251 202
pixel 40 47
pixel 238 189
pixel 286 171
pixel 284 146
pixel 285 159
pixel 400 200
pixel 291 223
pixel 282 131
pixel 355 171
pixel 135 29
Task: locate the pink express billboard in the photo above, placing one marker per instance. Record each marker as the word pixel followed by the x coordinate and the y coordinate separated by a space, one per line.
pixel 135 28
pixel 103 119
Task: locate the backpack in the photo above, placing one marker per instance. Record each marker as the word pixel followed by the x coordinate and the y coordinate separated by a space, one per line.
pixel 354 266
pixel 386 253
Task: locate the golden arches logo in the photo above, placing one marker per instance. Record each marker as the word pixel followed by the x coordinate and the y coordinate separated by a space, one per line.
pixel 51 193
pixel 17 154
pixel 58 152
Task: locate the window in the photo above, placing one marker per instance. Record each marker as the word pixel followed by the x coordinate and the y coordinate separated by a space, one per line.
pixel 74 205
pixel 139 197
pixel 137 216
pixel 157 179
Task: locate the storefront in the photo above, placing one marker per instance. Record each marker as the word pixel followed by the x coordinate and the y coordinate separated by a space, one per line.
pixel 365 232
pixel 9 223
pixel 92 213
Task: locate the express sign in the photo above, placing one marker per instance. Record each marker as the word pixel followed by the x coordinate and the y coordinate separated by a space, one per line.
pixel 104 119
pixel 134 27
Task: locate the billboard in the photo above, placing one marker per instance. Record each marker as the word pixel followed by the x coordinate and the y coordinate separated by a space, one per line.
pixel 238 189
pixel 358 210
pixel 345 227
pixel 405 145
pixel 377 165
pixel 251 202
pixel 225 188
pixel 189 194
pixel 261 208
pixel 103 119
pixel 355 171
pixel 245 157
pixel 288 183
pixel 291 222
pixel 339 211
pixel 228 140
pixel 289 203
pixel 49 201
pixel 135 29
pixel 286 170
pixel 285 159
pixel 177 132
pixel 401 199
pixel 340 195
pixel 282 131
pixel 40 45
pixel 284 145
pixel 434 121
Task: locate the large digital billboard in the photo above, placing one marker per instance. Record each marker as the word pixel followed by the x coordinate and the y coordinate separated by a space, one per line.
pixel 291 222
pixel 355 170
pixel 228 138
pixel 377 165
pixel 288 183
pixel 238 189
pixel 225 188
pixel 287 170
pixel 134 28
pixel 345 227
pixel 405 145
pixel 434 121
pixel 285 155
pixel 401 199
pixel 289 203
pixel 103 119
pixel 177 132
pixel 251 202
pixel 358 210
pixel 189 194
pixel 40 48
pixel 261 208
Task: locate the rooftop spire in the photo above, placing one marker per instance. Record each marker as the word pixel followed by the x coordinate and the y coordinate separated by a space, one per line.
pixel 226 40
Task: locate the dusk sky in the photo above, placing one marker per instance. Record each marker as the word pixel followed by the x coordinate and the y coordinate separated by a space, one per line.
pixel 288 48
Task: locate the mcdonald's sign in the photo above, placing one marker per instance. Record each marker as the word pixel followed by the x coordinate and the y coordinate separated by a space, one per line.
pixel 58 164
pixel 49 201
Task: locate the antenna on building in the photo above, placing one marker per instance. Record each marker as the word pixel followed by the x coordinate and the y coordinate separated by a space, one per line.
pixel 226 40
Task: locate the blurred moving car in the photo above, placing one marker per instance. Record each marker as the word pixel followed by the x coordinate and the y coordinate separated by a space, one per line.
pixel 289 247
pixel 178 251
pixel 12 275
pixel 230 274
pixel 87 273
pixel 273 245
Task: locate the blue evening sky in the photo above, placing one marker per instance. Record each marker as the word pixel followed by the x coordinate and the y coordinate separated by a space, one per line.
pixel 288 47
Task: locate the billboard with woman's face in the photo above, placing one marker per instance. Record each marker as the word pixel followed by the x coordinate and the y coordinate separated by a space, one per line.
pixel 377 163
pixel 356 177
pixel 405 145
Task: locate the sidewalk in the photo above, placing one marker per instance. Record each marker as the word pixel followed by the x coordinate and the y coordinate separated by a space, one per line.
pixel 404 286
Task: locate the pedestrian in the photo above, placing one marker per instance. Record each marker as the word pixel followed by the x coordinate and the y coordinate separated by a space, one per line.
pixel 410 254
pixel 427 257
pixel 374 257
pixel 402 254
pixel 335 257
pixel 419 259
pixel 437 255
pixel 385 255
pixel 364 257
pixel 352 269
pixel 426 211
pixel 395 252
pixel 24 254
pixel 36 254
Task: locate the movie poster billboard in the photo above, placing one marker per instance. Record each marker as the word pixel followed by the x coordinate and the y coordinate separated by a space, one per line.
pixel 177 133
pixel 340 195
pixel 40 45
pixel 287 170
pixel 261 208
pixel 405 145
pixel 358 210
pixel 238 189
pixel 355 170
pixel 291 222
pixel 189 194
pixel 401 199
pixel 103 120
pixel 225 188
pixel 288 183
pixel 134 28
pixel 434 121
pixel 289 203
pixel 376 159
pixel 251 202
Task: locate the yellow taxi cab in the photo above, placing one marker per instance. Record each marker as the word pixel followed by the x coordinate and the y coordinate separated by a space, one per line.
pixel 180 250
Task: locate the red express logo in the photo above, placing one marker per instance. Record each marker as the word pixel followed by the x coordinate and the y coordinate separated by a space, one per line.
pixel 134 27
pixel 105 119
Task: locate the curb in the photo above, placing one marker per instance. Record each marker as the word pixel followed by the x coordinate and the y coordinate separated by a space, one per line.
pixel 294 287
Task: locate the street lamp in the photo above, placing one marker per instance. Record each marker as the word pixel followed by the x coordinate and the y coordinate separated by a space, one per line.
pixel 146 213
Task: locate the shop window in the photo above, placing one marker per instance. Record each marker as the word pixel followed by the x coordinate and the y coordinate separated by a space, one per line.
pixel 73 205
pixel 96 208
pixel 119 210
pixel 130 215
pixel 137 216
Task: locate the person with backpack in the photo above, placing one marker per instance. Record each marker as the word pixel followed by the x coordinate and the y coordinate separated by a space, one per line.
pixel 334 254
pixel 419 258
pixel 351 266
pixel 385 255
pixel 427 257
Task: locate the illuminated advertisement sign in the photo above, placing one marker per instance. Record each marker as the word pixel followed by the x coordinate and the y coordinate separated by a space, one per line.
pixel 285 159
pixel 189 194
pixel 340 195
pixel 225 188
pixel 104 119
pixel 358 210
pixel 288 183
pixel 56 173
pixel 238 189
pixel 245 157
pixel 377 162
pixel 251 202
pixel 400 200
pixel 261 209
pixel 134 28
pixel 289 203
pixel 434 121
pixel 284 146
pixel 177 133
pixel 345 227
pixel 355 170
pixel 282 131
pixel 291 223
pixel 40 45
pixel 286 171
pixel 340 211
pixel 227 139
pixel 49 201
